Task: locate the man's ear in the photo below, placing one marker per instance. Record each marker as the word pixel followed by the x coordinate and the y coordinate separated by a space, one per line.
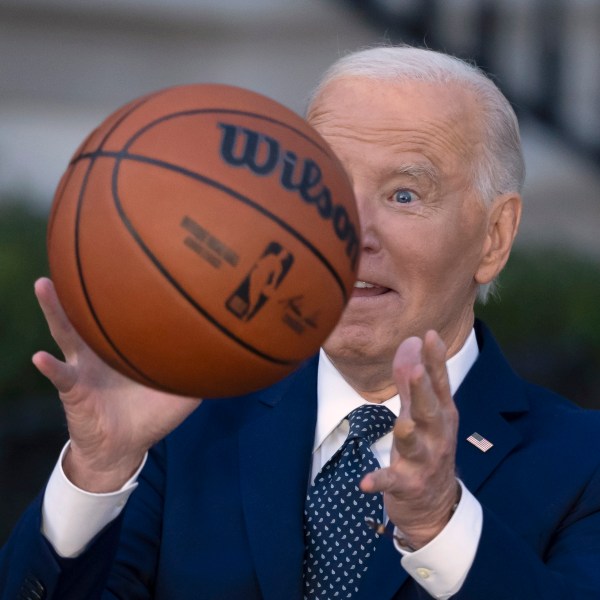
pixel 503 223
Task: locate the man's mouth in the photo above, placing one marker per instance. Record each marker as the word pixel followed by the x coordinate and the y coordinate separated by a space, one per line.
pixel 365 289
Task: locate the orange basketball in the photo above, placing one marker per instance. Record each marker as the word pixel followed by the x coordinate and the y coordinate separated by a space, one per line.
pixel 204 240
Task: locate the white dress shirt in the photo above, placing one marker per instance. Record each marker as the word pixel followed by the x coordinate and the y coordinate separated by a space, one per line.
pixel 71 517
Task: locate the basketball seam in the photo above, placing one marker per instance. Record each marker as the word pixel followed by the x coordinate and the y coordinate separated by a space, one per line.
pixel 82 283
pixel 124 155
pixel 164 271
pixel 119 156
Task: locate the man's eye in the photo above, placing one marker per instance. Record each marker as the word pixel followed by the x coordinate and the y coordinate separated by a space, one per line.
pixel 404 196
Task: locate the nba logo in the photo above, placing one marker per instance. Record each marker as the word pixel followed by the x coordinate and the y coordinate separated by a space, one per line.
pixel 264 278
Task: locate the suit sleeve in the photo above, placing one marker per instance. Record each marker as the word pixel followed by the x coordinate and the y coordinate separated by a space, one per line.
pixel 505 566
pixel 119 562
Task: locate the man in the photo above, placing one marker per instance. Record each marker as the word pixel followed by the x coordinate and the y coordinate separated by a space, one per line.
pixel 502 502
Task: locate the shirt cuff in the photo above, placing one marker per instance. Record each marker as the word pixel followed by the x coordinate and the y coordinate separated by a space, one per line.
pixel 442 565
pixel 72 517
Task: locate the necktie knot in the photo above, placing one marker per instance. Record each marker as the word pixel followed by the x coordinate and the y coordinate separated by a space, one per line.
pixel 370 422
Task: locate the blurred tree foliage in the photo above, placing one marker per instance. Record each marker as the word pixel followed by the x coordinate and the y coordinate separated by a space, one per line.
pixel 31 422
pixel 22 326
pixel 547 321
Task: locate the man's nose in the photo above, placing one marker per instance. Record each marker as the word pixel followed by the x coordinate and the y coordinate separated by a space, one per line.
pixel 367 213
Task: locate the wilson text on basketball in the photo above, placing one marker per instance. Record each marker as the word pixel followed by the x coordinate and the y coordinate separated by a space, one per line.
pixel 263 155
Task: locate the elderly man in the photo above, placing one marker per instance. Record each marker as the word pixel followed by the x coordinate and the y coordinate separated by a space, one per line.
pixel 277 495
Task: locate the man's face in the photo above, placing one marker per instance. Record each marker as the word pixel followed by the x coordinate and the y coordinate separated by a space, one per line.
pixel 408 149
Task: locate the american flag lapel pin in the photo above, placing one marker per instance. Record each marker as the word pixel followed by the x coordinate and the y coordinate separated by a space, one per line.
pixel 479 442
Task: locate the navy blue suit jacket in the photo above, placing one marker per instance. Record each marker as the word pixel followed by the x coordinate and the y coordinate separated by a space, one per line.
pixel 218 512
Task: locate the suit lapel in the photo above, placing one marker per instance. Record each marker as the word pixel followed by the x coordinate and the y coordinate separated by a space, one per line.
pixel 488 398
pixel 275 457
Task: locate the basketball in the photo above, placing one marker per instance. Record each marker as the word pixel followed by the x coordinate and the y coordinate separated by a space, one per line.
pixel 204 240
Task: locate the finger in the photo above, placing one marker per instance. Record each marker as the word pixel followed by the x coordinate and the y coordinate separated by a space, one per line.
pixel 59 325
pixel 412 433
pixel 61 375
pixel 434 358
pixel 424 403
pixel 408 442
pixel 381 480
pixel 394 478
pixel 407 356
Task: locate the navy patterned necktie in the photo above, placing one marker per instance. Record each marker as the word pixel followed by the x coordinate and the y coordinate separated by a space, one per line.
pixel 338 540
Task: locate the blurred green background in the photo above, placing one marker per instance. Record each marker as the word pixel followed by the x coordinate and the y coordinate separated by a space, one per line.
pixel 547 320
pixel 31 423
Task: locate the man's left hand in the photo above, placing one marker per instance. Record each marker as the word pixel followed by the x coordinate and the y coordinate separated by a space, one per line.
pixel 420 487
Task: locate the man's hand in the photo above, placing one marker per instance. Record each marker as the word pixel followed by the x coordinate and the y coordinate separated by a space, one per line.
pixel 112 420
pixel 419 487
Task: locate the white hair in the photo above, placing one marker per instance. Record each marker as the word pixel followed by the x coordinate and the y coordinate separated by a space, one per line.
pixel 499 168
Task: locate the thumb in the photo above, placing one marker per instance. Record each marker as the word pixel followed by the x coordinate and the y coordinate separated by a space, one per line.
pixel 61 375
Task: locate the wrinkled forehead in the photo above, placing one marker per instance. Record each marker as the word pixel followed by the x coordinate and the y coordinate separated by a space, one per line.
pixel 443 117
pixel 374 100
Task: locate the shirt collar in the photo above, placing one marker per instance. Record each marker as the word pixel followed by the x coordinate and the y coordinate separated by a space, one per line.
pixel 336 397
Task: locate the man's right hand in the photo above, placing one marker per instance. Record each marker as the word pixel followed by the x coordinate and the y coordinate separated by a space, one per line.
pixel 112 420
